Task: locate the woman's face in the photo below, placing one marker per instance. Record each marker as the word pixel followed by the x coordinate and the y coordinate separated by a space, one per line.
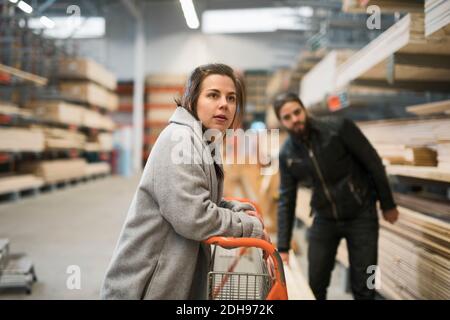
pixel 216 104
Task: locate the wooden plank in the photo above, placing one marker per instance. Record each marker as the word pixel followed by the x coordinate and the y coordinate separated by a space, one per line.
pixel 97 168
pixel 56 170
pixel 323 73
pixel 430 108
pixel 427 173
pixel 431 207
pixel 406 36
pixel 87 69
pixel 11 109
pixel 40 81
pixel 391 6
pixel 57 111
pixel 18 139
pixel 90 93
pixel 19 182
pixel 437 16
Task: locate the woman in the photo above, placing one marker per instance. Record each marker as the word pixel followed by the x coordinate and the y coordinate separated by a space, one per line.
pixel 178 204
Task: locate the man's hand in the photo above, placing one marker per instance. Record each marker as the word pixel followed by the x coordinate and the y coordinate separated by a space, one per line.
pixel 391 215
pixel 285 257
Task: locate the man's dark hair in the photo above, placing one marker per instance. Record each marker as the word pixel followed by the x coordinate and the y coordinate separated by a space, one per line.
pixel 284 98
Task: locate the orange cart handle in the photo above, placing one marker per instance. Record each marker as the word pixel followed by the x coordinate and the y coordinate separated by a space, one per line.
pixel 229 242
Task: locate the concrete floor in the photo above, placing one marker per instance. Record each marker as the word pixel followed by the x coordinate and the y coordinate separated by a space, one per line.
pixel 78 225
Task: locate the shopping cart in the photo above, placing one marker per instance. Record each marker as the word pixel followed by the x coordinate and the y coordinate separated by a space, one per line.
pixel 245 269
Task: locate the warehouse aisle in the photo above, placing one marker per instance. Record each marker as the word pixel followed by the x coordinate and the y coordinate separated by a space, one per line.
pixel 75 226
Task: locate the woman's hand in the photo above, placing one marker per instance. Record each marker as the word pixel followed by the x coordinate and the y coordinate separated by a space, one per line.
pixel 256 215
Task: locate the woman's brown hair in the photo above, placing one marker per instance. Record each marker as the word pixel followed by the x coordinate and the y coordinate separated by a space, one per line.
pixel 194 83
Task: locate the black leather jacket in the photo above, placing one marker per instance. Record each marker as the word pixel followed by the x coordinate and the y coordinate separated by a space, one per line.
pixel 342 168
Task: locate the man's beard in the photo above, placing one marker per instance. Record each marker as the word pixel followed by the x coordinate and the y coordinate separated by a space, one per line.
pixel 300 133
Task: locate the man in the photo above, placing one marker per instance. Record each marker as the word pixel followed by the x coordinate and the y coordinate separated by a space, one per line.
pixel 333 157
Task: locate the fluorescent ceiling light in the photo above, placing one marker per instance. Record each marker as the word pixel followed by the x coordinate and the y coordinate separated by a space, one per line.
pixel 47 22
pixel 189 14
pixel 25 7
pixel 255 20
pixel 65 27
pixel 13 1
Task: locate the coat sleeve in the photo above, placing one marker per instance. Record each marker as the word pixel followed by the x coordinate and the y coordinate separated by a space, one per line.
pixel 182 193
pixel 286 205
pixel 236 206
pixel 360 147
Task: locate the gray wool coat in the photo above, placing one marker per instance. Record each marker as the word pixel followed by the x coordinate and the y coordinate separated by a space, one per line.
pixel 160 254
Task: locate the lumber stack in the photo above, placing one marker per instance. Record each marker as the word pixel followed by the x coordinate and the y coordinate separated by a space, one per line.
pixel 414 257
pixel 57 111
pixel 93 119
pixel 86 69
pixel 323 73
pixel 55 170
pixel 391 6
pixel 97 168
pixel 21 140
pixel 19 182
pixel 407 155
pixel 437 16
pixel 161 92
pixel 91 94
pixel 406 37
pixel 56 138
pixel 443 150
pixel 432 108
pixel 10 109
pixel 256 85
pixel 435 208
pixel 416 140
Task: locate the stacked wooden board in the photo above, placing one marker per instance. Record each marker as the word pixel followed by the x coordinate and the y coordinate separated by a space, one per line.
pixel 56 138
pixel 161 92
pixel 432 108
pixel 386 6
pixel 19 182
pixel 321 79
pixel 88 82
pixel 57 111
pixel 418 142
pixel 21 139
pixel 405 38
pixel 90 93
pixel 256 85
pixel 54 171
pixel 437 16
pixel 414 257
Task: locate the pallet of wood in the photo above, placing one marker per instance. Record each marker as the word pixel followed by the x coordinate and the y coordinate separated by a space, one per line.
pixel 10 109
pixel 437 16
pixel 407 40
pixel 166 80
pixel 414 257
pixel 411 132
pixel 93 119
pixel 432 108
pixel 407 155
pixel 57 111
pixel 21 139
pixel 90 93
pixel 62 139
pixel 105 141
pixel 86 69
pixel 427 173
pixel 391 6
pixel 19 182
pixel 97 168
pixel 54 171
pixel 436 208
